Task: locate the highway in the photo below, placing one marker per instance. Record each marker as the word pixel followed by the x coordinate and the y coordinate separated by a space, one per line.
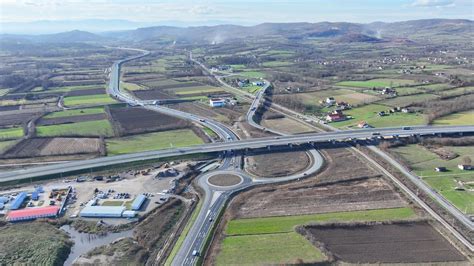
pixel 415 179
pixel 349 135
pixel 215 198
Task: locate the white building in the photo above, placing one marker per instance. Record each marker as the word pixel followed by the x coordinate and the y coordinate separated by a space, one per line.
pixel 216 102
pixel 330 100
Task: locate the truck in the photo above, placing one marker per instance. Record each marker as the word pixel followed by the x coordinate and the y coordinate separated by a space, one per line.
pixel 195 253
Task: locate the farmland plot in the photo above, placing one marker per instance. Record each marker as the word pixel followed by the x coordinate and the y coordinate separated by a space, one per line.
pixel 138 120
pixel 54 147
pixel 386 243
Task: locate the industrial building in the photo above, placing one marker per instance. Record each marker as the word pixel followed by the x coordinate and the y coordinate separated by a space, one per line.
pixel 129 214
pixel 102 211
pixel 4 200
pixel 33 213
pixel 16 203
pixel 138 202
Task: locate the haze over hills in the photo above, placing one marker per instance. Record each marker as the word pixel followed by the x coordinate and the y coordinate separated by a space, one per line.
pixel 339 31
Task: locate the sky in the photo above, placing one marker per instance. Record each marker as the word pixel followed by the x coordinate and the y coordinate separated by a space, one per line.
pixel 233 11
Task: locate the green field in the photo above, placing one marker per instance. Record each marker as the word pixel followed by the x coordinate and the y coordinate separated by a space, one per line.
pixel 112 203
pixel 251 74
pixel 76 112
pixel 267 249
pixel 276 63
pixel 131 86
pixel 72 88
pixel 379 83
pixel 194 90
pixel 287 223
pixel 368 113
pixel 4 145
pixel 272 240
pixel 87 128
pixel 403 91
pixel 423 163
pixel 341 95
pixel 462 118
pixel 11 133
pixel 251 89
pixel 152 141
pixel 98 99
pixel 403 101
pixel 457 91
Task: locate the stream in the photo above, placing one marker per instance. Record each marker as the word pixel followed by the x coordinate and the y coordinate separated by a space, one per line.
pixel 84 242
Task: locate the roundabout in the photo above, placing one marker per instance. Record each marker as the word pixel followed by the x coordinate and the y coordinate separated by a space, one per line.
pixel 225 180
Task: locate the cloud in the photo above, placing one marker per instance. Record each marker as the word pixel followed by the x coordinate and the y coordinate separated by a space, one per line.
pixel 433 3
pixel 202 10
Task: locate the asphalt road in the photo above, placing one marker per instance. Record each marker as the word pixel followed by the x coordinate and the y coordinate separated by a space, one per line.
pixel 348 135
pixel 415 179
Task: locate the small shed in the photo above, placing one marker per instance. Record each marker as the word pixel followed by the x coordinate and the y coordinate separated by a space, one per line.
pixel 35 195
pixel 129 214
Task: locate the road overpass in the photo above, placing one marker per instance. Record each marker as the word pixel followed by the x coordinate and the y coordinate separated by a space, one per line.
pixel 266 142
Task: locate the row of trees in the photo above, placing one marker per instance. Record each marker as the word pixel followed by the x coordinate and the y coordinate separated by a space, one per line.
pixel 436 109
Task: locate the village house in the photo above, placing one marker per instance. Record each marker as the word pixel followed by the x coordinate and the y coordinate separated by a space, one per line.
pixel 335 116
pixel 465 167
pixel 330 101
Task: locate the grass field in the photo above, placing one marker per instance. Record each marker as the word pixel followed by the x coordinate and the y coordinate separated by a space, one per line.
pixel 266 249
pixel 152 141
pixel 423 163
pixel 112 203
pixel 33 243
pixel 272 240
pixel 462 118
pixel 72 88
pixel 87 128
pixel 131 86
pixel 98 99
pixel 403 101
pixel 251 74
pixel 276 63
pixel 4 145
pixel 344 95
pixel 284 224
pixel 194 90
pixel 379 83
pixel 368 113
pixel 251 89
pixel 11 133
pixel 76 112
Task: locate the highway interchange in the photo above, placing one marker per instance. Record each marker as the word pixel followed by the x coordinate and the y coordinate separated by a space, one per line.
pixel 215 197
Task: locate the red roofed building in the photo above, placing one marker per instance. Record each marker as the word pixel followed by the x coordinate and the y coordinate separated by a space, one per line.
pixel 335 117
pixel 33 213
